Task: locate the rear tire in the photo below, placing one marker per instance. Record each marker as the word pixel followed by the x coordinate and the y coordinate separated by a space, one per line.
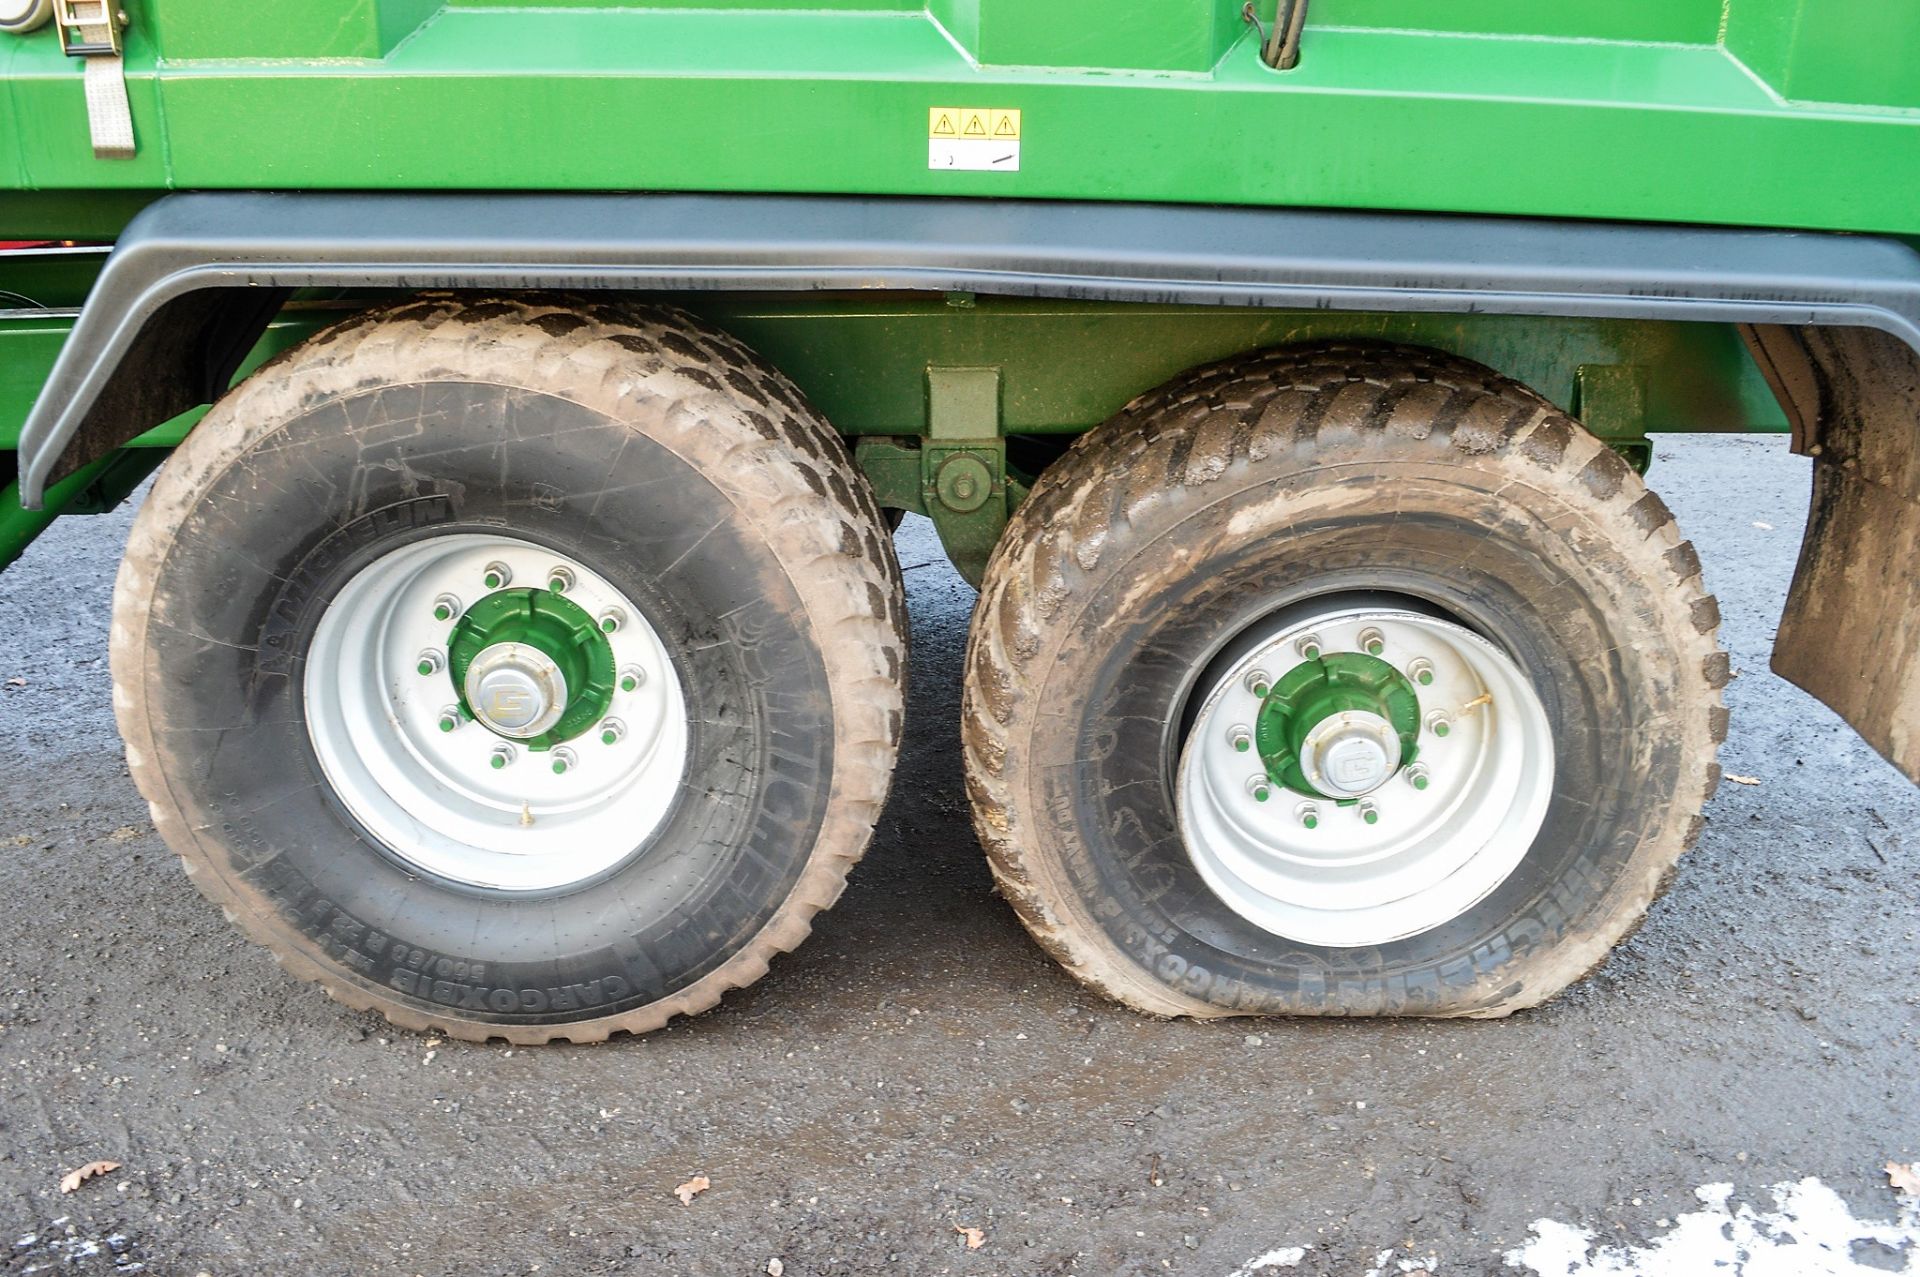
pixel 630 465
pixel 1348 476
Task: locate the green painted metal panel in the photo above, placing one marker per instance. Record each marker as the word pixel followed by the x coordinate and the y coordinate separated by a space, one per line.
pixel 1865 51
pixel 1629 109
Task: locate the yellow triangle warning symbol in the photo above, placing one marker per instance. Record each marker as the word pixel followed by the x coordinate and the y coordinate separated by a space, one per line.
pixel 943 126
pixel 976 127
pixel 1005 127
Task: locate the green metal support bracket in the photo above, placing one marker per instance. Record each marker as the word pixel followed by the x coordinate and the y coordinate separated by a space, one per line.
pixel 96 489
pixel 1611 401
pixel 963 466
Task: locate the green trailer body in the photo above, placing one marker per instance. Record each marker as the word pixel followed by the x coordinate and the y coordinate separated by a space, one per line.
pixel 970 232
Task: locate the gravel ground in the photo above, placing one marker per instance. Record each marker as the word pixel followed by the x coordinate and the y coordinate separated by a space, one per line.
pixel 919 1067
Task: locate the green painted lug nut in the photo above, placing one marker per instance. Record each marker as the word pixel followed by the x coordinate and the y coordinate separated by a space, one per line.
pixel 1417 776
pixel 446 608
pixel 1309 647
pixel 431 662
pixel 500 757
pixel 1242 739
pixel 611 730
pixel 498 576
pixel 1308 815
pixel 563 761
pixel 1258 787
pixel 450 720
pixel 611 620
pixel 1420 670
pixel 1258 683
pixel 1439 724
pixel 1369 813
pixel 1372 641
pixel 631 678
pixel 560 580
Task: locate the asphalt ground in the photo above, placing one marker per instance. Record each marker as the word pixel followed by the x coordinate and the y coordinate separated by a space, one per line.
pixel 919 1068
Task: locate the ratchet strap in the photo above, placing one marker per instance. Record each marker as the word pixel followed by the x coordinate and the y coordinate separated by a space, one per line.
pixel 90 30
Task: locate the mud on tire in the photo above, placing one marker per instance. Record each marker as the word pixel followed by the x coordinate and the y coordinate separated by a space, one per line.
pixel 1271 478
pixel 640 442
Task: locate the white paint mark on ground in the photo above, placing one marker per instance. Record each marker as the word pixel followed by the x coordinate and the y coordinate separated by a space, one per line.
pixel 1812 1233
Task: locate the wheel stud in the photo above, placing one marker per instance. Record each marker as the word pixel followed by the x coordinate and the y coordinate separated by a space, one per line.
pixel 1308 815
pixel 1417 776
pixel 1420 670
pixel 1308 645
pixel 1258 787
pixel 1369 812
pixel 611 620
pixel 1258 682
pixel 497 576
pixel 450 719
pixel 446 608
pixel 502 755
pixel 560 580
pixel 1438 723
pixel 564 761
pixel 1372 641
pixel 1242 739
pixel 611 730
pixel 631 678
pixel 431 662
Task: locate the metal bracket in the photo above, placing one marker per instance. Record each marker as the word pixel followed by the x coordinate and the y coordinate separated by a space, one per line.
pixel 1611 401
pixel 92 31
pixel 963 465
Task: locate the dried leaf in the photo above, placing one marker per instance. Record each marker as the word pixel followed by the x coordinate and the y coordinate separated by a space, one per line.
pixel 975 1237
pixel 692 1188
pixel 16 682
pixel 72 1180
pixel 775 1268
pixel 1742 780
pixel 1905 1177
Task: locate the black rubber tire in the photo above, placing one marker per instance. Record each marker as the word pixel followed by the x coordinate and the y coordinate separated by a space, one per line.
pixel 1244 487
pixel 655 450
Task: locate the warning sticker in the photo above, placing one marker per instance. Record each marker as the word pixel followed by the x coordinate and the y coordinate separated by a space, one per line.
pixel 973 138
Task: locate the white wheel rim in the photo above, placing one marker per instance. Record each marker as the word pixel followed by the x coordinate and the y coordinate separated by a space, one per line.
pixel 1431 853
pixel 434 798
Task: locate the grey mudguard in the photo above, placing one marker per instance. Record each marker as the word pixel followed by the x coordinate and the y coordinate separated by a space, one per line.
pixel 194 278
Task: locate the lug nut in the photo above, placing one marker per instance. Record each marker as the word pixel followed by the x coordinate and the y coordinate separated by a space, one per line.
pixel 611 620
pixel 564 761
pixel 1308 815
pixel 1372 641
pixel 450 719
pixel 1417 776
pixel 1420 670
pixel 1438 723
pixel 497 576
pixel 560 580
pixel 446 608
pixel 1242 739
pixel 431 662
pixel 611 730
pixel 1258 683
pixel 1258 787
pixel 1308 645
pixel 502 755
pixel 1369 812
pixel 631 678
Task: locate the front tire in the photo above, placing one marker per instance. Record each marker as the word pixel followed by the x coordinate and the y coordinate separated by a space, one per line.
pixel 1158 610
pixel 517 669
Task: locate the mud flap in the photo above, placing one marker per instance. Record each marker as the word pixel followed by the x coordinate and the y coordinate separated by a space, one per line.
pixel 1851 631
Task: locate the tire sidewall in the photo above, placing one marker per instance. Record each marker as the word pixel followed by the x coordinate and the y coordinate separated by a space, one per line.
pixel 264 546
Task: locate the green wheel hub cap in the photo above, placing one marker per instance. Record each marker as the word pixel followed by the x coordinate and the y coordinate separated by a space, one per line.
pixel 1337 726
pixel 551 665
